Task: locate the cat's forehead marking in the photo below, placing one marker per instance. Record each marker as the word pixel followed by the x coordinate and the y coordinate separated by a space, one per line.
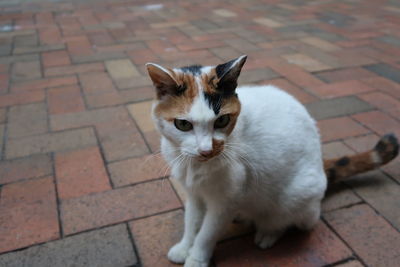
pixel 200 110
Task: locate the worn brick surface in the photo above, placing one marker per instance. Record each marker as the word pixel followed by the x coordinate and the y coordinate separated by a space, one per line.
pixel 28 214
pixel 371 237
pixel 337 107
pixel 75 102
pixel 26 71
pixel 24 120
pixel 104 247
pixel 117 205
pixel 50 142
pixel 80 172
pixel 24 168
pixel 138 170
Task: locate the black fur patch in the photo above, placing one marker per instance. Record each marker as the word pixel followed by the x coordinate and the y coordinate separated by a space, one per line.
pixel 331 173
pixel 221 69
pixel 342 162
pixel 193 69
pixel 215 100
pixel 381 146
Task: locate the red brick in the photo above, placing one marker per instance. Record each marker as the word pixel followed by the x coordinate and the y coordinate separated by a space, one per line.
pixel 44 83
pixel 100 38
pixel 341 89
pixel 65 100
pixel 382 84
pixel 339 128
pixel 55 58
pixel 316 248
pixel 143 56
pixel 155 235
pixel 296 75
pixel 28 214
pixel 383 102
pixel 18 169
pixel 378 122
pixel 369 235
pixel 292 89
pixel 50 35
pixel 346 75
pixel 21 98
pixel 80 172
pixel 138 170
pixel 99 90
pixel 118 205
pixel 187 46
pixel 74 69
pixel 362 143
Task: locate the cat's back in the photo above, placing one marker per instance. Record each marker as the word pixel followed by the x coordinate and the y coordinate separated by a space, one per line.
pixel 268 106
pixel 275 127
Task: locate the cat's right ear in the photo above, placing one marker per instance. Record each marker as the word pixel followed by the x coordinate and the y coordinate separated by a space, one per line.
pixel 162 79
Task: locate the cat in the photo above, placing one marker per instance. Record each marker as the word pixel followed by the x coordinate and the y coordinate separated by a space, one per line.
pixel 252 151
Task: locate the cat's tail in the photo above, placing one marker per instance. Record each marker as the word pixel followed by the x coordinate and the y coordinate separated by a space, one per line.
pixel 384 151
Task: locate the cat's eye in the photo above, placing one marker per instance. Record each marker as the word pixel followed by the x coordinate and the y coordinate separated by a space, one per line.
pixel 183 125
pixel 222 121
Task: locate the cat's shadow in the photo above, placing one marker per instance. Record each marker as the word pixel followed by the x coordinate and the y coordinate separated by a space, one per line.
pixel 300 247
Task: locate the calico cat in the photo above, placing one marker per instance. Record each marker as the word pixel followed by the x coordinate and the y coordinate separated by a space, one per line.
pixel 251 151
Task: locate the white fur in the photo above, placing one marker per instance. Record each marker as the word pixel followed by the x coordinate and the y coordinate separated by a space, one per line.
pixel 271 171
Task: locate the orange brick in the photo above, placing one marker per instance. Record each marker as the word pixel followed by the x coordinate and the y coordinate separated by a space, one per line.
pixel 80 172
pixel 28 214
pixel 382 84
pixel 295 91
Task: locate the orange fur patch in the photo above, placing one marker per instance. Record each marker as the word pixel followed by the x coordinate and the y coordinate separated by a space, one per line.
pixel 173 106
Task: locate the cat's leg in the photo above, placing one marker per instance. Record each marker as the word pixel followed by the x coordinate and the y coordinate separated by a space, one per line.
pixel 215 221
pixel 194 212
pixel 267 233
pixel 309 216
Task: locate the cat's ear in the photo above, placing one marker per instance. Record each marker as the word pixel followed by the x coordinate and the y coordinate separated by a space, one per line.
pixel 162 79
pixel 228 73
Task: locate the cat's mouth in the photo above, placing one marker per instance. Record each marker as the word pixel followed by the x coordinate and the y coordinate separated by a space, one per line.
pixel 214 154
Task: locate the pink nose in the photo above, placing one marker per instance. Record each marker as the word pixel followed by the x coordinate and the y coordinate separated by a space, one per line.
pixel 205 153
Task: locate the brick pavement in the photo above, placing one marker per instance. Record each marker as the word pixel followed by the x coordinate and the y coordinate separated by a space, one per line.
pixel 81 183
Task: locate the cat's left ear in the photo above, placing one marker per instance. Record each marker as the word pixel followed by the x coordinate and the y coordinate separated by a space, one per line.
pixel 162 79
pixel 228 73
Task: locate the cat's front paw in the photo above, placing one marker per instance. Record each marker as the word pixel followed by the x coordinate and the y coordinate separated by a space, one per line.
pixel 178 253
pixel 266 240
pixel 192 262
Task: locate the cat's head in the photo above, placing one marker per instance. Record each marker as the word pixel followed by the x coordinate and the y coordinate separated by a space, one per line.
pixel 197 107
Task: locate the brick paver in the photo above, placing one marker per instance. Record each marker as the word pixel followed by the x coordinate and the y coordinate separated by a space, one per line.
pixel 81 180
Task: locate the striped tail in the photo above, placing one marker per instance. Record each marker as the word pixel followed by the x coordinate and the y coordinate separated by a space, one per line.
pixel 384 151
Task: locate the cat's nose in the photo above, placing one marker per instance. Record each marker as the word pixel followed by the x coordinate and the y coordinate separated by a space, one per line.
pixel 206 153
